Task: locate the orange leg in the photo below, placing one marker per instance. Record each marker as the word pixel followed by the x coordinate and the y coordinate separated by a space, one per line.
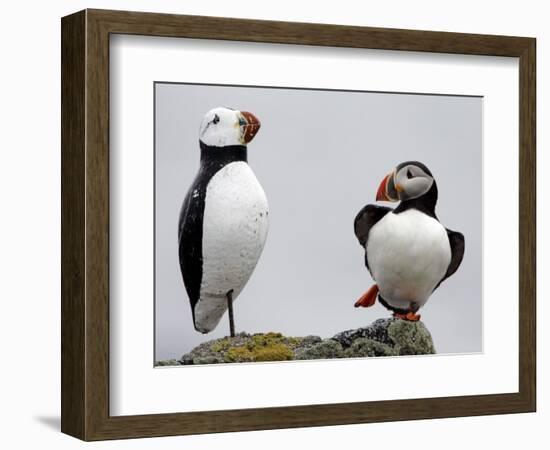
pixel 410 316
pixel 368 298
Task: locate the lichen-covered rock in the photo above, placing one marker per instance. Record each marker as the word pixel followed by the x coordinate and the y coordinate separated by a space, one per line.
pixel 411 338
pixel 363 347
pixel 384 337
pixel 265 352
pixel 168 362
pixel 247 348
pixel 207 359
pixel 309 341
pixel 377 331
pixel 402 336
pixel 326 349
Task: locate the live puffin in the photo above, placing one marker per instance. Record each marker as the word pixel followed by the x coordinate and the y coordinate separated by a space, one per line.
pixel 408 252
pixel 223 221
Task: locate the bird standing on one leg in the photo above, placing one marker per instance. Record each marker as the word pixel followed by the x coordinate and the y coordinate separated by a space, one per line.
pixel 224 218
pixel 407 250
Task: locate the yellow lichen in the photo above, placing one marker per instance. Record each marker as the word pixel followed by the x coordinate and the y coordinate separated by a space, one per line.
pixel 293 342
pixel 261 347
pixel 239 354
pixel 221 345
pixel 275 352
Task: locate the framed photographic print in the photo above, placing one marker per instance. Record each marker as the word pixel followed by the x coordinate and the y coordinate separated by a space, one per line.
pixel 270 224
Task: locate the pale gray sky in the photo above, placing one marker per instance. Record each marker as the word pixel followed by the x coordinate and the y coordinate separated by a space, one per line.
pixel 320 156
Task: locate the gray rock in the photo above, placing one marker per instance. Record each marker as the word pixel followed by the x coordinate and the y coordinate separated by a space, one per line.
pixel 384 337
pixel 377 331
pixel 248 348
pixel 365 347
pixel 208 359
pixel 310 340
pixel 411 338
pixel 168 362
pixel 401 336
pixel 326 349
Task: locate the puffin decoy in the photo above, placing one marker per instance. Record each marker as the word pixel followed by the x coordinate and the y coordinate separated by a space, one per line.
pixel 223 221
pixel 408 252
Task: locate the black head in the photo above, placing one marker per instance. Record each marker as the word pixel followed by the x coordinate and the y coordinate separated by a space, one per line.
pixel 412 183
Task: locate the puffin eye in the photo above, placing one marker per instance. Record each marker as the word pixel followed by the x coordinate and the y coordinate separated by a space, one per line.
pixel 409 174
pixel 216 119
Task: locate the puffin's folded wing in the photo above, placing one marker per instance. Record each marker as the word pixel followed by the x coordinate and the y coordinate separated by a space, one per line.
pixel 456 240
pixel 190 243
pixel 366 219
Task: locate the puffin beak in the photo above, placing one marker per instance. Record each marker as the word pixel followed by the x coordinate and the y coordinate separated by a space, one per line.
pixel 387 192
pixel 382 192
pixel 250 125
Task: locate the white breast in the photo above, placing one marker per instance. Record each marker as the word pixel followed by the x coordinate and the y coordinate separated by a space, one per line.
pixel 408 255
pixel 235 228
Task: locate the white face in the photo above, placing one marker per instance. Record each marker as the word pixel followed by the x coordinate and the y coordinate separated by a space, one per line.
pixel 412 182
pixel 222 127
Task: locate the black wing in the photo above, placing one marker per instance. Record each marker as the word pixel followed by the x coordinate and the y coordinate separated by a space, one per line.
pixel 456 240
pixel 190 240
pixel 364 221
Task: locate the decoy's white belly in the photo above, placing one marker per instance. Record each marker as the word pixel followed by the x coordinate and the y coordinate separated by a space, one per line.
pixel 235 225
pixel 408 255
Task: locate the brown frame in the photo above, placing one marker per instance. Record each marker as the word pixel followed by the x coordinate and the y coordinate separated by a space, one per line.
pixel 85 224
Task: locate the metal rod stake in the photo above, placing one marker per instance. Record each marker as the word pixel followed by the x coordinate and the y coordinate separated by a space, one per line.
pixel 230 311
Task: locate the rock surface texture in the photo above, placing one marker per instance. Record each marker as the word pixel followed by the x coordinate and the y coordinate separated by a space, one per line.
pixel 384 337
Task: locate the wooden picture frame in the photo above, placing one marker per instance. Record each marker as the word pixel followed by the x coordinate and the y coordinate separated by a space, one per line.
pixel 85 224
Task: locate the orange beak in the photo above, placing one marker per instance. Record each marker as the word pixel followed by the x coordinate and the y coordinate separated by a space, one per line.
pixel 382 192
pixel 251 125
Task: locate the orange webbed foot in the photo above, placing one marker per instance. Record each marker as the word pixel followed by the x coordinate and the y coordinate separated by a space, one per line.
pixel 368 298
pixel 410 316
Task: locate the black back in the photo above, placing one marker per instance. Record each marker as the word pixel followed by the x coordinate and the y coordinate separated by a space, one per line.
pixel 190 226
